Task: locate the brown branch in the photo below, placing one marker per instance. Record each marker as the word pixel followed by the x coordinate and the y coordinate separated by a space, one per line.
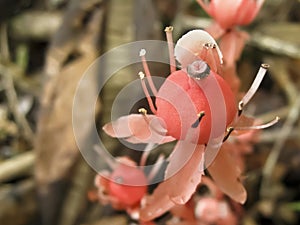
pixel 278 145
pixel 12 99
pixel 279 38
pixel 40 25
pixel 4 49
pixel 77 196
pixel 279 70
pixel 16 166
pixel 18 203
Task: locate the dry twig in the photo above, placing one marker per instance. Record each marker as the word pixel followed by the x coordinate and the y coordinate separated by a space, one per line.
pixel 12 100
pixel 16 166
pixel 279 143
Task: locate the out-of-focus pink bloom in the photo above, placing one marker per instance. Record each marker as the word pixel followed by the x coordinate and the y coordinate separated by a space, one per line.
pixel 230 13
pixel 207 209
pixel 194 106
pixel 230 75
pixel 113 186
pixel 232 43
pixel 210 210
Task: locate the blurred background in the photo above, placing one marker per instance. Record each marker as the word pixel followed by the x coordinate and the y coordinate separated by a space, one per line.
pixel 45 47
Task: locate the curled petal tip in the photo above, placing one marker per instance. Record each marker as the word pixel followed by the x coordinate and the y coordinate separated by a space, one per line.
pixel 106 127
pixel 242 197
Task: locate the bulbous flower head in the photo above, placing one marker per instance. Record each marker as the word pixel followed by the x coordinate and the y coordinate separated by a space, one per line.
pixel 229 13
pixel 187 93
pixel 195 91
pixel 124 187
pixel 128 194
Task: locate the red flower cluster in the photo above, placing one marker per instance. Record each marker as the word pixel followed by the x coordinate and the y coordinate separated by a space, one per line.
pixel 194 106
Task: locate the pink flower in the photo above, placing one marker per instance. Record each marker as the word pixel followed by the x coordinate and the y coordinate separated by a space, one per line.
pixel 114 188
pixel 195 106
pixel 208 208
pixel 227 15
pixel 230 13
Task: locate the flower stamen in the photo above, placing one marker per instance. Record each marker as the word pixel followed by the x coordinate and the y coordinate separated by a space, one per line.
pixel 240 107
pixel 261 126
pixel 147 71
pixel 209 54
pixel 229 131
pixel 197 122
pixel 257 81
pixel 169 36
pixel 143 111
pixel 156 167
pixel 146 152
pixel 150 102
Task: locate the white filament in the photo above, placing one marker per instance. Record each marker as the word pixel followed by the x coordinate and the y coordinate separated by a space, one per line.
pixel 257 81
pixel 258 127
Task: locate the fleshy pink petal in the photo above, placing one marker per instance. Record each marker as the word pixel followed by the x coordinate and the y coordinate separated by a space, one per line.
pixel 230 75
pixel 224 12
pixel 248 11
pixel 232 44
pixel 156 205
pixel 212 187
pixel 215 30
pixel 189 47
pixel 178 188
pixel 237 153
pixel 154 138
pixel 183 184
pixel 226 174
pixel 212 149
pixel 184 212
pixel 179 157
pixel 137 128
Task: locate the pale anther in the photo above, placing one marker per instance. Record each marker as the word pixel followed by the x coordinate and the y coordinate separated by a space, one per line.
pixel 142 52
pixel 143 111
pixel 141 75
